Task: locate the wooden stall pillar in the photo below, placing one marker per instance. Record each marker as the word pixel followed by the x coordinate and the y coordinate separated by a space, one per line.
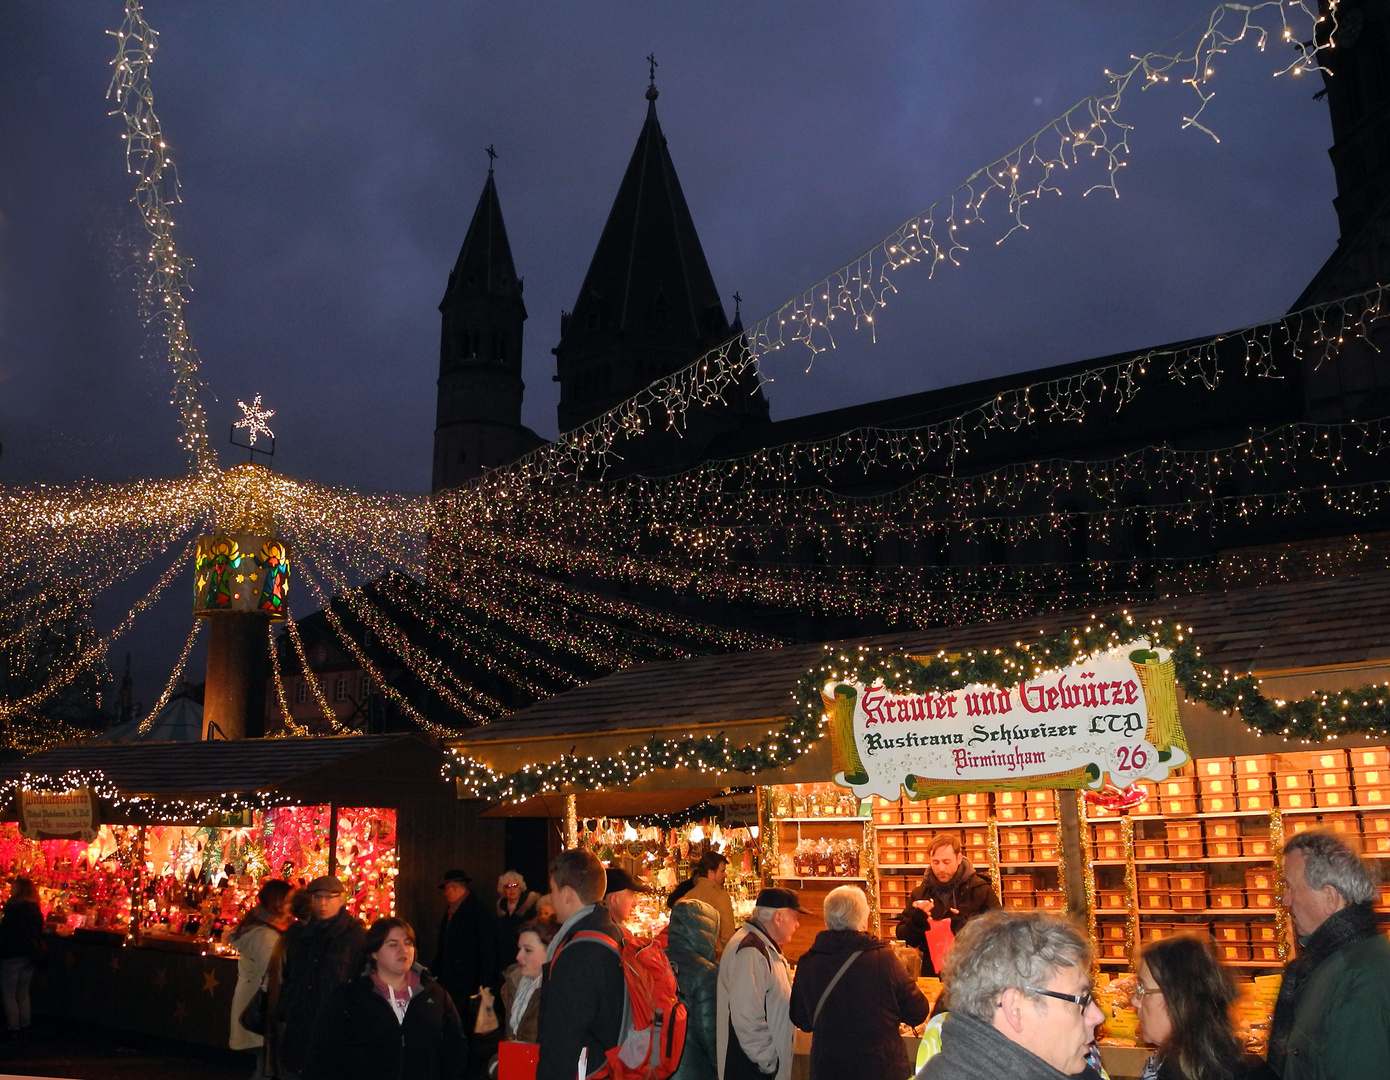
pixel 1074 876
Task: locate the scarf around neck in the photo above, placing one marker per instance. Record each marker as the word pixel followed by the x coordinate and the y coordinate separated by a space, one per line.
pixel 976 1049
pixel 1353 923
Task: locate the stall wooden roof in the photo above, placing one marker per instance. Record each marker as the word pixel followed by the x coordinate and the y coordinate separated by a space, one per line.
pixel 369 770
pixel 1284 630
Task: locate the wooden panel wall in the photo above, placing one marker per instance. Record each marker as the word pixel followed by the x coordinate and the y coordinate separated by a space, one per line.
pixel 440 832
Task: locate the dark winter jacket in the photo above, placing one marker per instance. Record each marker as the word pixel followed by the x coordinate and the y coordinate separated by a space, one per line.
pixel 319 957
pixel 967 894
pixel 20 929
pixel 691 940
pixel 467 956
pixel 509 925
pixel 1332 1019
pixel 583 997
pixel 357 1036
pixel 857 1033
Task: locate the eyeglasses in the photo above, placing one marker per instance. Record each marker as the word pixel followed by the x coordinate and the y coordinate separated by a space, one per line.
pixel 1142 991
pixel 1083 1000
pixel 513 885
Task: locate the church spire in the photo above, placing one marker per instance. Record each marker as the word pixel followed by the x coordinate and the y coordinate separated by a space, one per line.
pixel 478 418
pixel 648 305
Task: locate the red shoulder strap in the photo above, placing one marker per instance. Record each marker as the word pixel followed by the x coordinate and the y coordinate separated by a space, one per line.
pixel 587 935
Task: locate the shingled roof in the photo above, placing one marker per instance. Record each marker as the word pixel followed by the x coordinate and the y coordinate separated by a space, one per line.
pixel 1291 627
pixel 332 768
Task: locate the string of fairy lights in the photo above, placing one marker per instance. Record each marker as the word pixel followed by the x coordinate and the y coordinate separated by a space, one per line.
pixel 852 297
pixel 1321 715
pixel 166 286
pixel 501 557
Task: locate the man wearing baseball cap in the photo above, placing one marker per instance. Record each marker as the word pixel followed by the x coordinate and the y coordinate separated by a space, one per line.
pixel 318 958
pixel 621 893
pixel 755 1033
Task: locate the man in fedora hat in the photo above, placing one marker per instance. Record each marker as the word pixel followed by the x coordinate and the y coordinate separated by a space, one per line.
pixel 754 1035
pixel 467 955
pixel 318 958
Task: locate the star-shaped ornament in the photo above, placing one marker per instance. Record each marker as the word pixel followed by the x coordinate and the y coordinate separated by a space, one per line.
pixel 210 983
pixel 253 419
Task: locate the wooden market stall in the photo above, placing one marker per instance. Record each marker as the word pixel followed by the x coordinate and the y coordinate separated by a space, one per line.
pixel 1198 855
pixel 137 903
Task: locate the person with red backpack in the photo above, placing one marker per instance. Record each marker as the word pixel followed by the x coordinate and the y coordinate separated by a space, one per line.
pixel 583 990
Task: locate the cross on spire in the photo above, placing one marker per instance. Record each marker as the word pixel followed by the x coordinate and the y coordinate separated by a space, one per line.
pixel 738 301
pixel 491 156
pixel 651 74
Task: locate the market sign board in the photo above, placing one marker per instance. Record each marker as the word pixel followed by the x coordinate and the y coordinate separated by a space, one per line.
pixel 1111 717
pixel 58 815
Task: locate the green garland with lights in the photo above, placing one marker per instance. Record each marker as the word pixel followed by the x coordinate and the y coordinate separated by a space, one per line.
pixel 1320 716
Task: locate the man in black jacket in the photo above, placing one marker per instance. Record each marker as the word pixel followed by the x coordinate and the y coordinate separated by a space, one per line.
pixel 319 957
pixel 584 989
pixel 951 889
pixel 467 955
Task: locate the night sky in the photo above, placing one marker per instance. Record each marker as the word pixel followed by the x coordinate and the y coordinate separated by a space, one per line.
pixel 331 154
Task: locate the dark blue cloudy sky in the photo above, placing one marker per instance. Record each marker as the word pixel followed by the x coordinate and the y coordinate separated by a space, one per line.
pixel 331 154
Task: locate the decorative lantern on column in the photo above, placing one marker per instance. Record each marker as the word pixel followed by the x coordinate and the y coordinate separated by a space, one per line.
pixel 241 583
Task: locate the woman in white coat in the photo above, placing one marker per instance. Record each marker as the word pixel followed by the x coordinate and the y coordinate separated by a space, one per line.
pixel 255 939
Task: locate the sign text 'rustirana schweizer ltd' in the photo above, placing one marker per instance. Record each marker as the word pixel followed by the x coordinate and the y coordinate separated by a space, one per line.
pixel 1111 716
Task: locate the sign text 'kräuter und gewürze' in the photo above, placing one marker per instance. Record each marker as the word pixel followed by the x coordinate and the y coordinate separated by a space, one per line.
pixel 1111 716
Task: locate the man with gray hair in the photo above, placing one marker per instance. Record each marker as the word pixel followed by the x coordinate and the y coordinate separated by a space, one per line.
pixel 1019 990
pixel 754 1036
pixel 1332 1018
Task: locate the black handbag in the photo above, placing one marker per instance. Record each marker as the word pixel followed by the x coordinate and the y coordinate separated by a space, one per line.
pixel 252 1017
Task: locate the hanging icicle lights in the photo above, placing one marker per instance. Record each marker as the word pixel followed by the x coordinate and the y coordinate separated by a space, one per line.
pixel 493 552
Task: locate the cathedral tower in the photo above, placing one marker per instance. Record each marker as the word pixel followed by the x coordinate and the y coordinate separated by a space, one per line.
pixel 478 419
pixel 648 305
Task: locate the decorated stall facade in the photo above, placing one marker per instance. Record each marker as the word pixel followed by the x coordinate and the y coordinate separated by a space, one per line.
pixel 1168 819
pixel 172 842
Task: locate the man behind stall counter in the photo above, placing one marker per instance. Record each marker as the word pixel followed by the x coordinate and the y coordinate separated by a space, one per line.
pixel 952 893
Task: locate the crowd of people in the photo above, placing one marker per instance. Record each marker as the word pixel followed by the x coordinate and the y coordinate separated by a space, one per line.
pixel 342 1000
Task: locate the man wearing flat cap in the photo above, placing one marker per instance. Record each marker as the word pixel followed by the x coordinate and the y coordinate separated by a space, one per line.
pixel 318 958
pixel 755 1034
pixel 467 955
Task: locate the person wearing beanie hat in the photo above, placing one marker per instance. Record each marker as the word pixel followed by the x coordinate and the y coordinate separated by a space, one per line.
pixel 754 1033
pixel 318 958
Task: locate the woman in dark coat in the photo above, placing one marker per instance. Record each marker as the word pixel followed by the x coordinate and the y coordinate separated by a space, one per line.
pixel 516 906
pixel 856 1033
pixel 691 941
pixel 21 940
pixel 392 1022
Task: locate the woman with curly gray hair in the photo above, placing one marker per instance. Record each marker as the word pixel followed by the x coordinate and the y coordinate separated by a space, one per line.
pixel 1019 988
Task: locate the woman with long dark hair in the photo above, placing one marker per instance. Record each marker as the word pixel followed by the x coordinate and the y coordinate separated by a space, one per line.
pixel 1183 999
pixel 393 1020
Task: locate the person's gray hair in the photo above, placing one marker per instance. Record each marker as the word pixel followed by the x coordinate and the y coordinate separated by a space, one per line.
pixel 846 908
pixel 1327 860
pixel 511 877
pixel 765 915
pixel 1004 950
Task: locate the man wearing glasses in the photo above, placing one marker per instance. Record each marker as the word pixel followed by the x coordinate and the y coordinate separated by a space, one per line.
pixel 1019 991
